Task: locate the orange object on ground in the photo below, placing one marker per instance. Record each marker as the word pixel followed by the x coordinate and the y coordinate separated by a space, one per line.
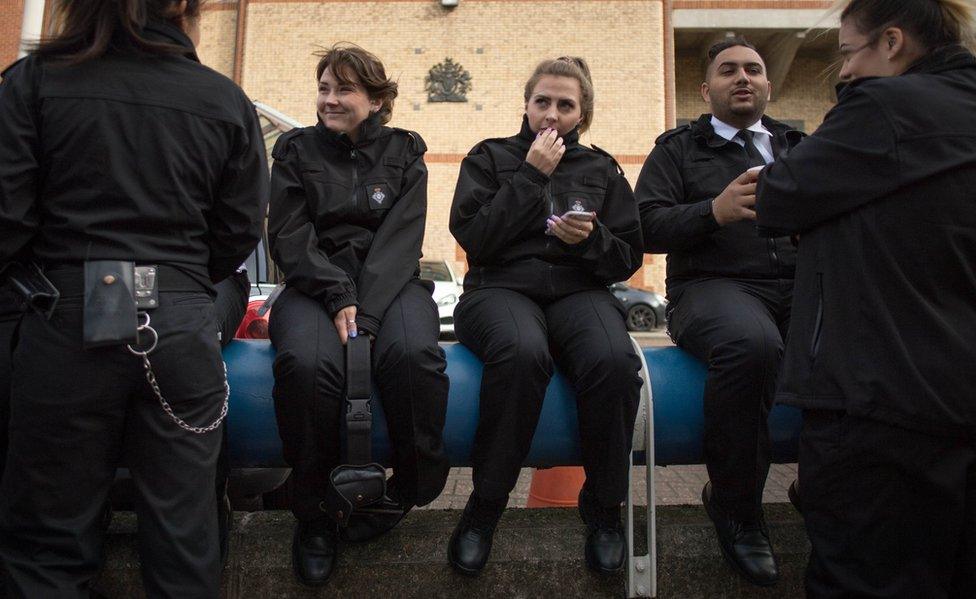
pixel 556 487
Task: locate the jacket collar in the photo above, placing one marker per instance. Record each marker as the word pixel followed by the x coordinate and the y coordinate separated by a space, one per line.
pixel 167 33
pixel 369 130
pixel 946 58
pixel 570 140
pixel 784 135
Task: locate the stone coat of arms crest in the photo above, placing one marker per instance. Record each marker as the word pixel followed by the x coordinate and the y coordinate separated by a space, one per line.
pixel 447 82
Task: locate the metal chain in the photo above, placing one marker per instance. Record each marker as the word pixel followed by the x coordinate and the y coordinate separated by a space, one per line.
pixel 151 379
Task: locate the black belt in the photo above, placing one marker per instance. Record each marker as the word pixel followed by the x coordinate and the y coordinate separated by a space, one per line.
pixel 69 278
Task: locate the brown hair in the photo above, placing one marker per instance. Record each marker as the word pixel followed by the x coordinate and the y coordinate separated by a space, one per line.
pixel 352 64
pixel 567 66
pixel 934 23
pixel 89 28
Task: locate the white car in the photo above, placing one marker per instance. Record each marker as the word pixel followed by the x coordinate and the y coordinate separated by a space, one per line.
pixel 447 291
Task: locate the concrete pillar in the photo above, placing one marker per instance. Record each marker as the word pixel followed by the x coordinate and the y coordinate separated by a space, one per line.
pixel 779 53
pixel 30 33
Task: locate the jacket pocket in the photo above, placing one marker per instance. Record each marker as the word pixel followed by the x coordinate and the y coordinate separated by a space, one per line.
pixel 818 320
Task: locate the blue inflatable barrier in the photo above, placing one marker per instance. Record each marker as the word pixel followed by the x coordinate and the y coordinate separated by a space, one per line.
pixel 677 381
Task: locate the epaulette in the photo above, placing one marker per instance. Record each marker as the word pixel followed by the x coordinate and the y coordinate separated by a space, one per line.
pixel 11 66
pixel 281 146
pixel 671 133
pixel 600 150
pixel 479 147
pixel 418 142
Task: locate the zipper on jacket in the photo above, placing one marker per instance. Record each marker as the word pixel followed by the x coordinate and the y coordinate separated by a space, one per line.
pixel 818 323
pixel 355 175
pixel 547 193
pixel 773 256
pixel 552 211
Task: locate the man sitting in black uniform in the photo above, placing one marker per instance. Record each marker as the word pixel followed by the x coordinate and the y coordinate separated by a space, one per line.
pixel 729 289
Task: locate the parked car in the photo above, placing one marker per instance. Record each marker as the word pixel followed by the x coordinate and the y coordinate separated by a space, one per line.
pixel 447 291
pixel 261 271
pixel 645 309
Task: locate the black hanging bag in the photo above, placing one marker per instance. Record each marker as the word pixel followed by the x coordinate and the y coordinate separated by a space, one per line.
pixel 357 496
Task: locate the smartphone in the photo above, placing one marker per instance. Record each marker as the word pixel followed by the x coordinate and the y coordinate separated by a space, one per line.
pixel 579 215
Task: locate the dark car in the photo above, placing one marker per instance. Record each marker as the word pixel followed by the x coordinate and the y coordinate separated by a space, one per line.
pixel 645 309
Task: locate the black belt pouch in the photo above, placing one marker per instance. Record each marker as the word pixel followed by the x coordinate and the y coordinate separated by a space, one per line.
pixel 110 309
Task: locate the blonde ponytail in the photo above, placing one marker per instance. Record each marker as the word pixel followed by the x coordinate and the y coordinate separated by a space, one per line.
pixel 961 15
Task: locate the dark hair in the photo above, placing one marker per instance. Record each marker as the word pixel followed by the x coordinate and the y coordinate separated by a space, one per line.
pixel 89 28
pixel 567 66
pixel 352 64
pixel 934 23
pixel 718 47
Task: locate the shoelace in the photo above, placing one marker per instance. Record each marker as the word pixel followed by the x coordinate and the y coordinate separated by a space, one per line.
pixel 740 528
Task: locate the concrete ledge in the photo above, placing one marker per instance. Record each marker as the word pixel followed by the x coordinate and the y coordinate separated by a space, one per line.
pixel 754 18
pixel 537 553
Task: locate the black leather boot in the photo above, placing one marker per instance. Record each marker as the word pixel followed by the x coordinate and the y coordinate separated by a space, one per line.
pixel 313 551
pixel 605 543
pixel 745 544
pixel 470 543
pixel 793 493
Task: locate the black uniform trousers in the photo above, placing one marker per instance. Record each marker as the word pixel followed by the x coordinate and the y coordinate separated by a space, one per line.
pixel 229 308
pixel 737 327
pixel 77 415
pixel 309 394
pixel 8 329
pixel 519 339
pixel 890 512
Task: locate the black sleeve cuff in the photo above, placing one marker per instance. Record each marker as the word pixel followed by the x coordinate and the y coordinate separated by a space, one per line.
pixel 339 301
pixel 367 323
pixel 533 174
pixel 707 216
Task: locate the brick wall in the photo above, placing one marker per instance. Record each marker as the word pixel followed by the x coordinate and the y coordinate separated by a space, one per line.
pixel 218 31
pixel 11 21
pixel 497 42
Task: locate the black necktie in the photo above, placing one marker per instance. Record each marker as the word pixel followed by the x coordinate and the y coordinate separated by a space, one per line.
pixel 755 158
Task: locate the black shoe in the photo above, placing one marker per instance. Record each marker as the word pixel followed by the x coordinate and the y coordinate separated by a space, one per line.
pixel 106 520
pixel 225 517
pixel 313 552
pixel 794 495
pixel 745 544
pixel 605 543
pixel 470 543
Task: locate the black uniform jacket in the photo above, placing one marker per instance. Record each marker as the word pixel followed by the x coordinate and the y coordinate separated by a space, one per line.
pixel 153 159
pixel 883 195
pixel 499 214
pixel 346 221
pixel 688 167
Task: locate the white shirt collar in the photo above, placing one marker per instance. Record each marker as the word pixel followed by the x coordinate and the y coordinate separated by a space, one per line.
pixel 728 131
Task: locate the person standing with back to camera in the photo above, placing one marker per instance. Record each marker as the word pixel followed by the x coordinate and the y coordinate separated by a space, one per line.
pixel 125 166
pixel 547 225
pixel 881 356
